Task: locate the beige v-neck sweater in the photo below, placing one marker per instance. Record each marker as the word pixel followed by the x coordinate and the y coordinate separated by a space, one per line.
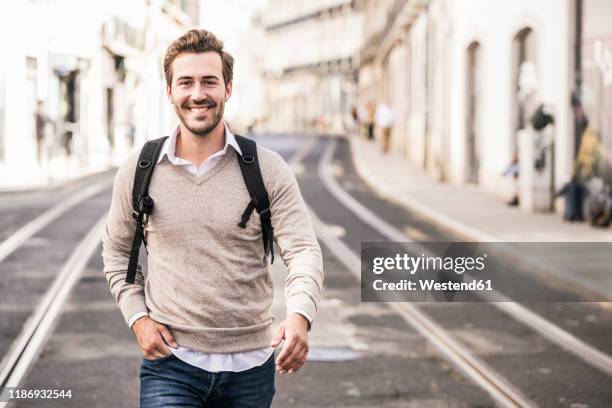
pixel 208 279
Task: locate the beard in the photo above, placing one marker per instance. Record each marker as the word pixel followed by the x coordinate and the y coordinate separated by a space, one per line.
pixel 201 126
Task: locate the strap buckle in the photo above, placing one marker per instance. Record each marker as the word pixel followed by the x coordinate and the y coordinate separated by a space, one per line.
pixel 145 206
pixel 143 221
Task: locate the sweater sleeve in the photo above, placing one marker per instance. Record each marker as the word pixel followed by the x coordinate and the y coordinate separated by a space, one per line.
pixel 117 245
pixel 295 237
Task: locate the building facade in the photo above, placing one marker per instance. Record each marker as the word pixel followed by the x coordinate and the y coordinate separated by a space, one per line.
pixel 99 78
pixel 311 58
pixel 465 76
pixel 594 64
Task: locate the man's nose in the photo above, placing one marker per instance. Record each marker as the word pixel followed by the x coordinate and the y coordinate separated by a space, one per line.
pixel 199 92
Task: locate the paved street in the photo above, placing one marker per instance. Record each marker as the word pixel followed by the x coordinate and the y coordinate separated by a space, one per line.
pixel 361 354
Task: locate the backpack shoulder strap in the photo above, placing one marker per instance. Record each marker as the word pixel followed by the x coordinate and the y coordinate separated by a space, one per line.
pixel 251 173
pixel 144 169
pixel 142 204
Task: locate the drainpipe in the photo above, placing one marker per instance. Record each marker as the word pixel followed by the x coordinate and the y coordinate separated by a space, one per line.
pixel 577 93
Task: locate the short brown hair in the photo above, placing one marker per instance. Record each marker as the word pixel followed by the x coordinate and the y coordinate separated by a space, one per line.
pixel 198 41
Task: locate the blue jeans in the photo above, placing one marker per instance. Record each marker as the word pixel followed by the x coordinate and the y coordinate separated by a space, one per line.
pixel 171 382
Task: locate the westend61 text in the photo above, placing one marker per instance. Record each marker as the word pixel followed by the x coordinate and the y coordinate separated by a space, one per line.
pixel 475 285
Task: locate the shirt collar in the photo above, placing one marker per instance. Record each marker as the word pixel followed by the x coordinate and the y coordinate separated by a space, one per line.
pixel 169 147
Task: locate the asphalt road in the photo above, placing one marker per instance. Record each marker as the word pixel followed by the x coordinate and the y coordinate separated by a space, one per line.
pixel 362 354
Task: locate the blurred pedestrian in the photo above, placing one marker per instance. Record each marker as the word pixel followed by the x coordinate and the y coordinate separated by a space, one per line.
pixel 354 115
pixel 513 171
pixel 573 193
pixel 589 174
pixel 590 154
pixel 366 117
pixel 385 119
pixel 42 129
pixel 202 316
pixel 352 122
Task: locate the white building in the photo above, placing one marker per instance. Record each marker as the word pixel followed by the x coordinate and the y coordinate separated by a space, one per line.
pixel 490 59
pixel 465 75
pixel 311 54
pixel 100 76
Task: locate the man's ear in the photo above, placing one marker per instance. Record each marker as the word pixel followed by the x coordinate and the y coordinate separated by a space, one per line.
pixel 169 93
pixel 228 91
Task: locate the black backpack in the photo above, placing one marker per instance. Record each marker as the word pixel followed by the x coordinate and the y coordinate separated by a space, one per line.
pixel 143 204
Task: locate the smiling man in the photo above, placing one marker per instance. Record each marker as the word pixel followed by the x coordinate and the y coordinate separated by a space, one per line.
pixel 202 315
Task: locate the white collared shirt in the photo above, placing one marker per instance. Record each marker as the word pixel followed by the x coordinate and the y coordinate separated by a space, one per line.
pixel 169 149
pixel 213 362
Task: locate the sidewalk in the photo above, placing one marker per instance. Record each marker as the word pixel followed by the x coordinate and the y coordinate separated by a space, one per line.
pixel 477 216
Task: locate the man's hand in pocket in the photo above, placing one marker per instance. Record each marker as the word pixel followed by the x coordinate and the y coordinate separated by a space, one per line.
pixel 153 338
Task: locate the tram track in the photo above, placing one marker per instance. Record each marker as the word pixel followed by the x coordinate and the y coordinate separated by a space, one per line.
pixel 39 245
pixel 26 347
pixel 545 328
pixel 482 373
pixel 500 390
pixel 24 233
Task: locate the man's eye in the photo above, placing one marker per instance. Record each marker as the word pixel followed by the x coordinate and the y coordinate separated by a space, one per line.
pixel 185 83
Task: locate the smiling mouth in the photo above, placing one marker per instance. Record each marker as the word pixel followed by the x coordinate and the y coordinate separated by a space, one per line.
pixel 199 108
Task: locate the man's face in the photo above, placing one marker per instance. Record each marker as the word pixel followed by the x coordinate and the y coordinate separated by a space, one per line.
pixel 198 91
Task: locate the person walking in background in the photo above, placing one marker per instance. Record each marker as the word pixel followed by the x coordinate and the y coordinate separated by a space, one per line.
pixel 202 315
pixel 385 119
pixel 365 113
pixel 42 135
pixel 513 171
pixel 589 170
pixel 354 115
pixel 352 122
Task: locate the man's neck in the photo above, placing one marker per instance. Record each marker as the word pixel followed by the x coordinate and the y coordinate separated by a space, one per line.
pixel 197 149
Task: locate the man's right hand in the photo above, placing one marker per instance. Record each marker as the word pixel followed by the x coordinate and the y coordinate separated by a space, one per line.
pixel 153 338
